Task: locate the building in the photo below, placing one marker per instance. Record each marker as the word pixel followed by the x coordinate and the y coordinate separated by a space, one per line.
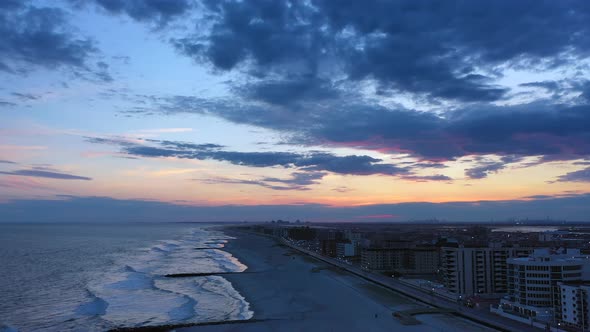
pixel 353 236
pixel 346 249
pixel 328 247
pixel 534 290
pixel 403 260
pixel 574 297
pixel 477 270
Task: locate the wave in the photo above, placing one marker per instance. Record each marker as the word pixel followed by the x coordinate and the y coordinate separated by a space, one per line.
pixel 135 292
pixel 96 307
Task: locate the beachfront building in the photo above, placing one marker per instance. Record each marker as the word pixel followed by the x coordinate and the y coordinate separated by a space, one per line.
pixel 479 270
pixel 538 286
pixel 575 297
pixel 402 260
pixel 346 249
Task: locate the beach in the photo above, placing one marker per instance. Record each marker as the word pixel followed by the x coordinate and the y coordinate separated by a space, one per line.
pixel 291 291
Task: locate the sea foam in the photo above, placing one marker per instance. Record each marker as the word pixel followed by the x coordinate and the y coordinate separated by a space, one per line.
pixel 135 292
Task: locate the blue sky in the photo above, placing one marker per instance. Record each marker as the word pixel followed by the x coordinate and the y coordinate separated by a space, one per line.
pixel 257 107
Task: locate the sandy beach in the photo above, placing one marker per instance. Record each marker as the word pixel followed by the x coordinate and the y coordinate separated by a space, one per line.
pixel 290 291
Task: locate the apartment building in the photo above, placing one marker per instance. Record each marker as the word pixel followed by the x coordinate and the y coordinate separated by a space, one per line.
pixel 575 297
pixel 540 286
pixel 478 270
pixel 404 260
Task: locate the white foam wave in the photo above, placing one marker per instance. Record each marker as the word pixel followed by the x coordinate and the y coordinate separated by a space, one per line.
pixel 136 293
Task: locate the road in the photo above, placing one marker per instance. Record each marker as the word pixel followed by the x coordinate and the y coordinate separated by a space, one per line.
pixel 481 316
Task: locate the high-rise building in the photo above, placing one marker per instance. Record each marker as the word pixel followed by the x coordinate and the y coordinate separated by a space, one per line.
pixel 404 260
pixel 477 270
pixel 574 297
pixel 534 289
pixel 346 249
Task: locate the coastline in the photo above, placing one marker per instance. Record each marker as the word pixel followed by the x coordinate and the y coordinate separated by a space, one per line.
pixel 290 291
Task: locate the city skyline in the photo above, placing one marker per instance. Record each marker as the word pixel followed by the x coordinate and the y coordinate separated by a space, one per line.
pixel 304 110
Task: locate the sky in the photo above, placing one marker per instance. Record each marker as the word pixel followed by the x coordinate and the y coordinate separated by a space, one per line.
pixel 189 110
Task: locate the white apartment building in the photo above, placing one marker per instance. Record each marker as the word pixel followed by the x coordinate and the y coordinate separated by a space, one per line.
pixel 534 290
pixel 469 271
pixel 575 297
pixel 345 249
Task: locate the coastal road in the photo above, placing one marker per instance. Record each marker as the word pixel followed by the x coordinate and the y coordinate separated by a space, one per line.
pixel 288 290
pixel 480 316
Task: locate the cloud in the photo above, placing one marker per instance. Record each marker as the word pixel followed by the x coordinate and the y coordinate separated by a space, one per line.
pixel 439 50
pixel 99 209
pixel 299 178
pixel 290 91
pixel 424 178
pixel 25 96
pixel 6 104
pixel 577 176
pixel 39 173
pixel 557 131
pixel 309 162
pixel 298 181
pixel 484 170
pixel 485 166
pixel 159 12
pixel 6 162
pixel 305 69
pixel 41 37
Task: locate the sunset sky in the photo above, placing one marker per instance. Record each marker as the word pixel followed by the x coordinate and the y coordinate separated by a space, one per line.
pixel 316 110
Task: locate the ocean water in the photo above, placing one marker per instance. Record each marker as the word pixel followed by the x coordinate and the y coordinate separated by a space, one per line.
pixel 94 277
pixel 525 229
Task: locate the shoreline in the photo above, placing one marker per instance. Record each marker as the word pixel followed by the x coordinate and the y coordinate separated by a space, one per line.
pixel 292 291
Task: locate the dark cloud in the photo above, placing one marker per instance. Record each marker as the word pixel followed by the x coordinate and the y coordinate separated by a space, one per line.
pixel 290 91
pixel 159 12
pixel 6 104
pixel 298 181
pixel 565 87
pixel 438 49
pixel 298 178
pixel 577 176
pixel 12 4
pixel 6 162
pixel 296 51
pixel 358 165
pixel 41 37
pixel 25 96
pixel 102 72
pixel 40 173
pixel 585 91
pixel 482 171
pixel 312 163
pixel 304 65
pixel 437 177
pixel 486 167
pixel 427 165
pixel 548 85
pixel 556 131
pixel 100 209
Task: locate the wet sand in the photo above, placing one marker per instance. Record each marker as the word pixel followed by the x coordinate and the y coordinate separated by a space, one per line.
pixel 290 291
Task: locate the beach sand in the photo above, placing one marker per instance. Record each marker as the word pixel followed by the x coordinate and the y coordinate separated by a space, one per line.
pixel 289 291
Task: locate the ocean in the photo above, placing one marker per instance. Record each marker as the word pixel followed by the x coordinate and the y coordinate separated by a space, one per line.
pixel 95 277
